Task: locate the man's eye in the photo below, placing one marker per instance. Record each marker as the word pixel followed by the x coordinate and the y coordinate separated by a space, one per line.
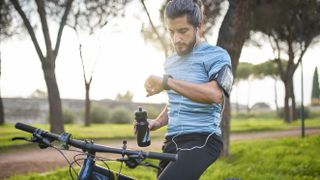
pixel 182 31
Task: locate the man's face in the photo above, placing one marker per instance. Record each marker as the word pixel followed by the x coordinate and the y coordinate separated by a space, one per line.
pixel 182 34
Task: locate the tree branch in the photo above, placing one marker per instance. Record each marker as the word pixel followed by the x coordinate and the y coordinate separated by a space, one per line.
pixel 163 44
pixel 278 59
pixel 301 56
pixel 29 28
pixel 44 24
pixel 62 23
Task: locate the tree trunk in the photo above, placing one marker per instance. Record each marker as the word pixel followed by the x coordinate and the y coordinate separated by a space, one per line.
pixel 225 125
pixel 289 101
pixel 293 98
pixel 55 110
pixel 276 97
pixel 2 121
pixel 87 106
pixel 232 35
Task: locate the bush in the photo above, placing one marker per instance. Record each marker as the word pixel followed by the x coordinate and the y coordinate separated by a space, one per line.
pixel 153 112
pixel 121 115
pixel 306 112
pixel 298 111
pixel 99 114
pixel 69 117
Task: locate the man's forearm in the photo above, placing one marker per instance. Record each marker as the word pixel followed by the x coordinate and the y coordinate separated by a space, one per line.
pixel 162 118
pixel 204 93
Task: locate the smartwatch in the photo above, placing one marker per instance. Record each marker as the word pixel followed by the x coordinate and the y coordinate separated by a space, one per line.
pixel 165 82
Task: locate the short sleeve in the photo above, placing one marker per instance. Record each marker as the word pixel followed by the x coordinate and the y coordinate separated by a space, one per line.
pixel 216 59
pixel 218 67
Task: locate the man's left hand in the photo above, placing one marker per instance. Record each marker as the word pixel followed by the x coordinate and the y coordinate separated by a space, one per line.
pixel 153 85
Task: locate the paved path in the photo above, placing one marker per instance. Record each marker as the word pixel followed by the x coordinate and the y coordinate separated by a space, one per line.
pixel 35 160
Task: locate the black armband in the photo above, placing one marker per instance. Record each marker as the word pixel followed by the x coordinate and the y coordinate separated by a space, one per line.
pixel 224 79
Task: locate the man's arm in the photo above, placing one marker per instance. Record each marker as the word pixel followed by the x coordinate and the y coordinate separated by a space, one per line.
pixel 160 121
pixel 204 93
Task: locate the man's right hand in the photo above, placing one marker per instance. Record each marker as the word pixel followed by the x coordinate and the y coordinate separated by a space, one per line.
pixel 154 124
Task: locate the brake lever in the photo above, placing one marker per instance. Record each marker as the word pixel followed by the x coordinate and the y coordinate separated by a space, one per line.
pixel 21 138
pixel 133 161
pixel 42 142
pixel 148 164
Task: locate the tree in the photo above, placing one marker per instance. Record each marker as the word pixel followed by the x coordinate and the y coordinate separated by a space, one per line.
pixel 48 60
pixel 149 35
pixel 125 97
pixel 58 11
pixel 315 94
pixel 292 26
pixel 268 69
pixel 232 34
pixel 244 72
pixel 38 93
pixel 5 33
pixel 88 25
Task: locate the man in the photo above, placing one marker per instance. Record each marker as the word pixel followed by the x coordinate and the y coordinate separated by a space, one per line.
pixel 197 77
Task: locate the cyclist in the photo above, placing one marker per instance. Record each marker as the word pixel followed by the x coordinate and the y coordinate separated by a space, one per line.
pixel 198 76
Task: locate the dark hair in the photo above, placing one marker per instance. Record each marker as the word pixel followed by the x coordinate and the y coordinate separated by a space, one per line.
pixel 191 8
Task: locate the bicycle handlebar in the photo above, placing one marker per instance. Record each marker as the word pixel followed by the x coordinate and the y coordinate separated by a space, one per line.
pixel 96 147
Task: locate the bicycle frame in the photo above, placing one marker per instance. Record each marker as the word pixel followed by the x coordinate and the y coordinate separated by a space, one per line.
pixel 91 171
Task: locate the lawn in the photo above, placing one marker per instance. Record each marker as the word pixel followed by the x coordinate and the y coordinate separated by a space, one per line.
pixel 121 131
pixel 272 159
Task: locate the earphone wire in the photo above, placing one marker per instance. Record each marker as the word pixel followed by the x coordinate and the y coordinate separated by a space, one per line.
pixel 181 127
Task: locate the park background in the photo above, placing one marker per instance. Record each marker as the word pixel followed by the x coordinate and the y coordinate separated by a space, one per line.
pixel 122 57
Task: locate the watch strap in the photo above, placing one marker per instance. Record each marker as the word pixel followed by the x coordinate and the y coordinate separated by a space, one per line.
pixel 165 82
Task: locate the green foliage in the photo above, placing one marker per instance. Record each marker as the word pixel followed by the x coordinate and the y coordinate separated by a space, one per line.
pixel 244 71
pixel 268 68
pixel 153 112
pixel 285 158
pixel 121 115
pixel 127 97
pixel 315 95
pixel 99 114
pixel 298 111
pixel 121 131
pixel 69 117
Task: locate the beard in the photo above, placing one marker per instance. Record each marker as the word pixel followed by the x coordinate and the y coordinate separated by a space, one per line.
pixel 183 49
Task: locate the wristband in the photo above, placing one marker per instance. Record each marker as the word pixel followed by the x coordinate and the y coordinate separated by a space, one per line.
pixel 165 82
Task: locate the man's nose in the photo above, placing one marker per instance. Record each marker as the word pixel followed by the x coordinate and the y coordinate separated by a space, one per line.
pixel 176 38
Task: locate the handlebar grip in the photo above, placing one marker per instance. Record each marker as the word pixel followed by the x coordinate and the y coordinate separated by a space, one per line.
pixel 162 156
pixel 25 127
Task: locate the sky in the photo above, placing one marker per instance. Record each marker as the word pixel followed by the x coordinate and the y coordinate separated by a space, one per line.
pixel 123 60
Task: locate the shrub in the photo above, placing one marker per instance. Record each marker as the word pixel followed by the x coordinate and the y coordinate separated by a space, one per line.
pixel 69 117
pixel 99 114
pixel 121 115
pixel 153 112
pixel 298 111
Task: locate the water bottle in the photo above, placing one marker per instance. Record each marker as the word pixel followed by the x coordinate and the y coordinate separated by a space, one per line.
pixel 143 132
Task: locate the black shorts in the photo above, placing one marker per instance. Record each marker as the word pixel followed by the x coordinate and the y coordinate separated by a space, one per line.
pixel 193 162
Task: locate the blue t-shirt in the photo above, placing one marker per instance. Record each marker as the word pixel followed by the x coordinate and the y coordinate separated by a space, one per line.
pixel 185 115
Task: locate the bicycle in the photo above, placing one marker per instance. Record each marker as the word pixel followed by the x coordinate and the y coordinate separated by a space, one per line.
pixel 89 169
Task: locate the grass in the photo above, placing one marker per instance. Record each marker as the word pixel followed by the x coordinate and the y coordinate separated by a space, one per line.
pixel 261 124
pixel 285 159
pixel 121 131
pixel 95 131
